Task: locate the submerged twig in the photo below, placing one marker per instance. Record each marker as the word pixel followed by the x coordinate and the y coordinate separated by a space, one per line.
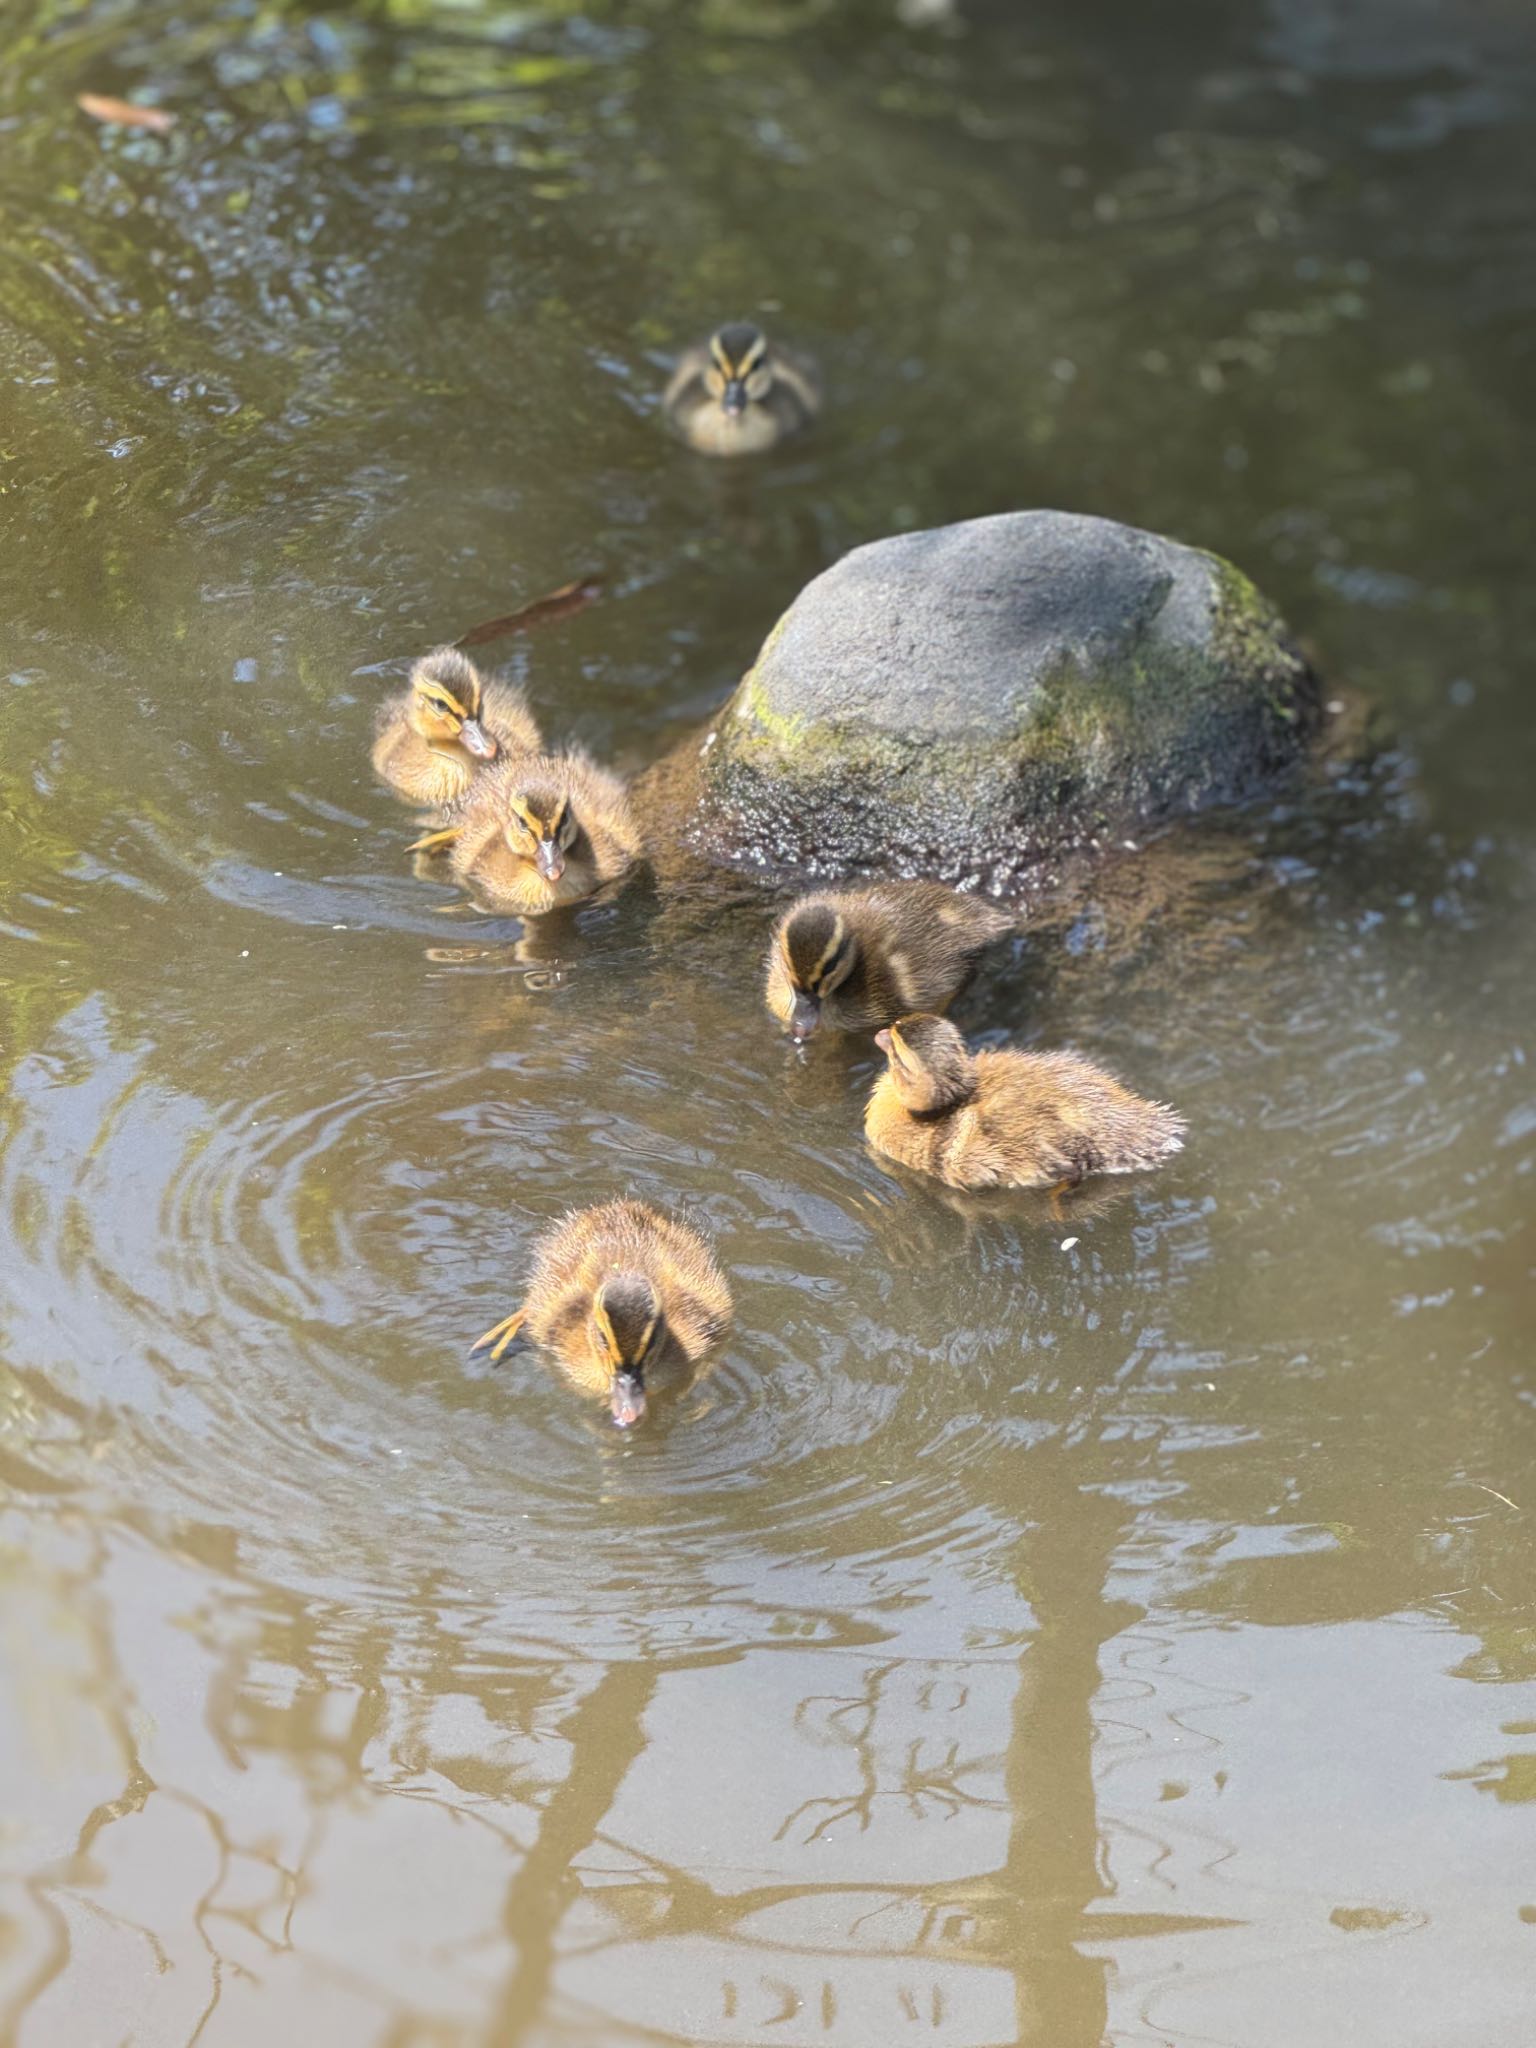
pixel 1481 1488
pixel 124 114
pixel 557 604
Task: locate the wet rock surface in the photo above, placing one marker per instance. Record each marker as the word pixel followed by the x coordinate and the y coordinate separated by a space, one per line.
pixel 981 700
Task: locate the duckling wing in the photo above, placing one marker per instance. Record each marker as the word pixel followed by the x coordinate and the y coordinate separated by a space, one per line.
pixel 799 377
pixel 686 385
pixel 1060 1116
pixel 931 935
pixel 389 716
pixel 390 731
pixel 602 804
pixel 1023 1132
pixel 505 714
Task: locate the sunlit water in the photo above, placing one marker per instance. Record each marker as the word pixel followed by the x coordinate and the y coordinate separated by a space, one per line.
pixel 1036 1630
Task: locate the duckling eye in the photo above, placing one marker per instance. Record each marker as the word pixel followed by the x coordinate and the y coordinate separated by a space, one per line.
pixel 528 830
pixel 568 828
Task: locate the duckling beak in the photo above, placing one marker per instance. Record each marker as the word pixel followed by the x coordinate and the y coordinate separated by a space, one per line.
pixel 734 397
pixel 549 860
pixel 804 1017
pixel 476 740
pixel 883 1040
pixel 627 1399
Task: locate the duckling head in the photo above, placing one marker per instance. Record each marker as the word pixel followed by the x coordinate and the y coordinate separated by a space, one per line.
pixel 818 952
pixel 739 372
pixel 542 828
pixel 444 710
pixel 627 1333
pixel 929 1063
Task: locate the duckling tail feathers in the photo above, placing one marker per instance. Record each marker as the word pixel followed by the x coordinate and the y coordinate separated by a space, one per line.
pixel 1164 1133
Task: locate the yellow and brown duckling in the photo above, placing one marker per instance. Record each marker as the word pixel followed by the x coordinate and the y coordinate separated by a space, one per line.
pixel 1007 1118
pixel 624 1299
pixel 852 960
pixel 448 725
pixel 738 393
pixel 537 832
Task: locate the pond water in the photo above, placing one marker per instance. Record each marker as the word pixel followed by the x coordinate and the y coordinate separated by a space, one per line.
pixel 1013 1640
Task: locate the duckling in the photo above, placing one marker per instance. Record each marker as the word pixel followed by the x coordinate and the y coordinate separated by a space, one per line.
pixel 855 959
pixel 433 738
pixel 537 832
pixel 1007 1119
pixel 737 393
pixel 623 1297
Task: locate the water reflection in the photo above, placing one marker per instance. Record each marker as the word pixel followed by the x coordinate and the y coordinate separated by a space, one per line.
pixel 1013 1639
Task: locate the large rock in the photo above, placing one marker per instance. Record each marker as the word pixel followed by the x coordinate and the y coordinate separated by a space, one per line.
pixel 978 701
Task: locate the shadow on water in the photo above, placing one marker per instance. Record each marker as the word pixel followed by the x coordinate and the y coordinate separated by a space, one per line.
pixel 1109 1624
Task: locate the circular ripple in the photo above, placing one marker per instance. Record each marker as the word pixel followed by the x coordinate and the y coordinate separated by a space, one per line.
pixel 259 1243
pixel 272 1289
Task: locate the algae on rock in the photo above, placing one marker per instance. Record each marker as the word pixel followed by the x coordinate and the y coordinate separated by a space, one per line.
pixel 978 701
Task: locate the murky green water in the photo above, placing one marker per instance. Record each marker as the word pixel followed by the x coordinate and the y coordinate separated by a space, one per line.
pixel 1009 1643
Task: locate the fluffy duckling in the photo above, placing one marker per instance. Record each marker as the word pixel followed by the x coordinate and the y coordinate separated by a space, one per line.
pixel 434 738
pixel 623 1298
pixel 1007 1119
pixel 737 394
pixel 855 959
pixel 537 832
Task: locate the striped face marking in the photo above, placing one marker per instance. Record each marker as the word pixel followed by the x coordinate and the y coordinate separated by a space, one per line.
pixel 737 352
pixel 641 1344
pixel 738 368
pixel 627 1324
pixel 550 824
pixel 818 951
pixel 437 697
pixel 448 719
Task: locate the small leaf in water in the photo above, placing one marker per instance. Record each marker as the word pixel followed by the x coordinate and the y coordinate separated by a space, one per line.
pixel 558 604
pixel 101 107
pixel 1369 1919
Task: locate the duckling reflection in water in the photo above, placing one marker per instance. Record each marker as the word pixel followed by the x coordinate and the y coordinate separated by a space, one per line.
pixel 919 1233
pixel 738 394
pixel 1007 1119
pixel 536 833
pixel 624 1299
pixel 851 960
pixel 448 724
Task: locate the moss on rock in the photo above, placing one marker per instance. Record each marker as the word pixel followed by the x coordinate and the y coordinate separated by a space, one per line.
pixel 976 701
